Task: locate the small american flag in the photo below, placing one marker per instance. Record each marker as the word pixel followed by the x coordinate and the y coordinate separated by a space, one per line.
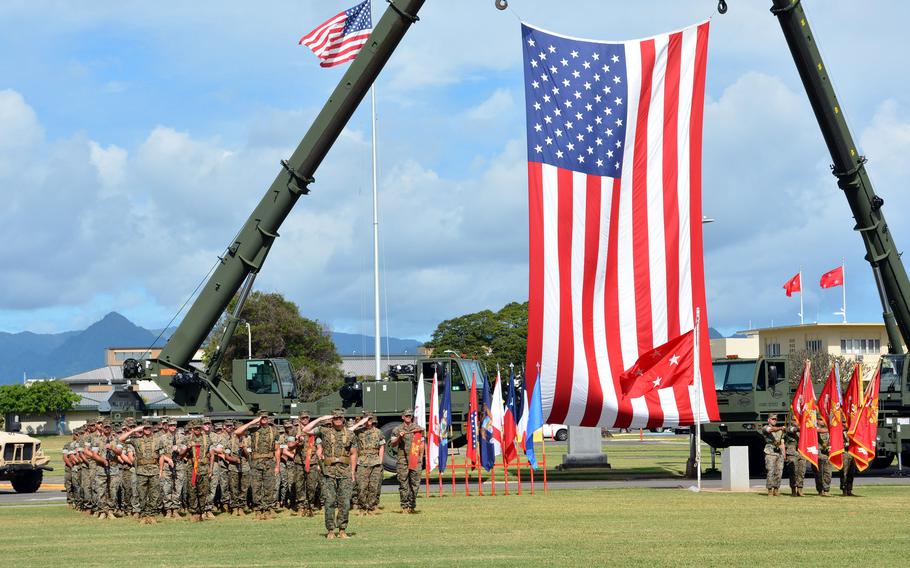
pixel 614 172
pixel 340 38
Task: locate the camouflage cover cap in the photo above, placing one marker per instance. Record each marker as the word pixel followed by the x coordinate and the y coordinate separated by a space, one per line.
pixel 106 423
pixel 408 412
pixel 165 420
pixel 99 420
pixel 147 424
pixel 338 413
pixel 287 423
pixel 229 424
pixel 263 414
pixel 304 414
pixel 206 420
pixel 195 424
pixel 369 416
pixel 219 425
pixel 129 421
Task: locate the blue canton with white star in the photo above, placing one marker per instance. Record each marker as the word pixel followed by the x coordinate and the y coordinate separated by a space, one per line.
pixel 575 92
pixel 358 18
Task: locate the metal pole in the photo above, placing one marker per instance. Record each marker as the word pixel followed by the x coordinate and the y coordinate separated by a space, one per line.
pixel 249 341
pixel 698 399
pixel 843 269
pixel 377 342
pixel 801 311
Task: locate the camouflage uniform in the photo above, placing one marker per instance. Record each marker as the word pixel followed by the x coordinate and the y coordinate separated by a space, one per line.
pixel 239 474
pixel 796 460
pixel 306 475
pixel 107 477
pixel 774 463
pixel 262 467
pixel 89 441
pixel 173 484
pixel 823 471
pixel 408 479
pixel 148 490
pixel 127 478
pixel 69 472
pixel 337 484
pixel 199 446
pixel 219 480
pixel 283 484
pixel 369 467
pixel 848 472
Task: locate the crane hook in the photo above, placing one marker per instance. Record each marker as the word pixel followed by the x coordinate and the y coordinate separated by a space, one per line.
pixel 721 6
pixel 502 4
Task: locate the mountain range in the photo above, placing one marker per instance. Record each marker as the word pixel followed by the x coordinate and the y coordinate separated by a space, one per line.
pixel 39 355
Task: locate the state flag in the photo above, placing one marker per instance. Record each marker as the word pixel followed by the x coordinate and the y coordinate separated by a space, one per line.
pixel 509 451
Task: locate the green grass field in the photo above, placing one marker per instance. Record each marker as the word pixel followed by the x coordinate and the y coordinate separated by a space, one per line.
pixel 627 527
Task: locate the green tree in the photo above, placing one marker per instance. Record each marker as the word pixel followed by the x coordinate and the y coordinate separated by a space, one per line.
pixel 43 397
pixel 279 330
pixel 820 365
pixel 491 337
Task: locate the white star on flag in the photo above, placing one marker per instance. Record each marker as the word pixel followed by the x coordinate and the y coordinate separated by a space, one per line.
pixel 674 360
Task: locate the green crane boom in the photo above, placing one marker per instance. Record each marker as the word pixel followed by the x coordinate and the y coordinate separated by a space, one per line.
pixel 244 257
pixel 850 170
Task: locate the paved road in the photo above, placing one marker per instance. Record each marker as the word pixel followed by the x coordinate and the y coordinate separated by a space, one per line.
pixel 51 493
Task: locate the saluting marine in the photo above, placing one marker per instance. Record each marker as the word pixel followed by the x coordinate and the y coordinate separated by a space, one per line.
pixel 264 465
pixel 337 448
pixel 370 453
pixel 408 440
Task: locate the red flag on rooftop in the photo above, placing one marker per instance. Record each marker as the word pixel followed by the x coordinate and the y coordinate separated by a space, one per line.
pixel 832 278
pixel 862 434
pixel 803 407
pixel 832 416
pixel 661 368
pixel 793 285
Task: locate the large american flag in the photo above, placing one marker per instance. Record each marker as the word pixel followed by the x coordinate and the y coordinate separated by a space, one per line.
pixel 614 184
pixel 340 38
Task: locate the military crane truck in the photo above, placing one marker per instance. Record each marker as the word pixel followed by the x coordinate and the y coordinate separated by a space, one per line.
pixel 268 384
pixel 749 390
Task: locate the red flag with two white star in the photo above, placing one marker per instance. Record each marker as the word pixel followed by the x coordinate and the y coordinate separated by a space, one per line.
pixel 663 367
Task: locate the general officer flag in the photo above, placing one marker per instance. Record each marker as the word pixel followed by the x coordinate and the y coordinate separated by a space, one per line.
pixel 614 132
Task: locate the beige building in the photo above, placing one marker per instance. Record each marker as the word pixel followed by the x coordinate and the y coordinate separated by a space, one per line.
pixel 735 348
pixel 865 342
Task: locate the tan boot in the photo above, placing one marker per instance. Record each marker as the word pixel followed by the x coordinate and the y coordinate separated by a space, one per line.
pixel 209 515
pixel 342 534
pixel 330 535
pixel 799 491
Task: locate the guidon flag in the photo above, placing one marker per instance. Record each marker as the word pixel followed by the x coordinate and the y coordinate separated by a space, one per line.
pixel 614 132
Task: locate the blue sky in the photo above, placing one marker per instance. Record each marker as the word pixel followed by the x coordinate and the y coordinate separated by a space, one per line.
pixel 135 138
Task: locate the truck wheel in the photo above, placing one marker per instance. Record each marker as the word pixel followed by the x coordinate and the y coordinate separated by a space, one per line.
pixel 882 462
pixel 28 482
pixel 389 461
pixel 561 435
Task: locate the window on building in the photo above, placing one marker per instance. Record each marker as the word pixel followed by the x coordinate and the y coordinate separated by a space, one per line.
pixel 814 345
pixel 860 346
pixel 772 350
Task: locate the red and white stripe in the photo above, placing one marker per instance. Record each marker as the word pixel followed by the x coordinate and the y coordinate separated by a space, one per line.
pixel 616 265
pixel 329 45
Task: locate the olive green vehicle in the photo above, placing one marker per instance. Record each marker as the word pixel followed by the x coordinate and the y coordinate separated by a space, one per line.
pixel 268 384
pixel 22 462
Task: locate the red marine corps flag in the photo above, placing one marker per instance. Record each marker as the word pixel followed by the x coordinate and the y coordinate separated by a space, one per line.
pixel 831 414
pixel 803 408
pixel 853 399
pixel 614 142
pixel 863 432
pixel 832 278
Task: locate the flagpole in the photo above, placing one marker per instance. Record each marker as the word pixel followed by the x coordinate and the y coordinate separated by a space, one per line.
pixel 801 311
pixel 843 270
pixel 377 343
pixel 697 378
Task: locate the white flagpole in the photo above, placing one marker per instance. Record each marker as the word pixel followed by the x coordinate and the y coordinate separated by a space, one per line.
pixel 697 377
pixel 801 319
pixel 843 269
pixel 376 347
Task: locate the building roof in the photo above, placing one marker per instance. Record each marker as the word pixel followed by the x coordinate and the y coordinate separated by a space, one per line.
pixel 363 365
pixel 814 325
pixel 111 374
